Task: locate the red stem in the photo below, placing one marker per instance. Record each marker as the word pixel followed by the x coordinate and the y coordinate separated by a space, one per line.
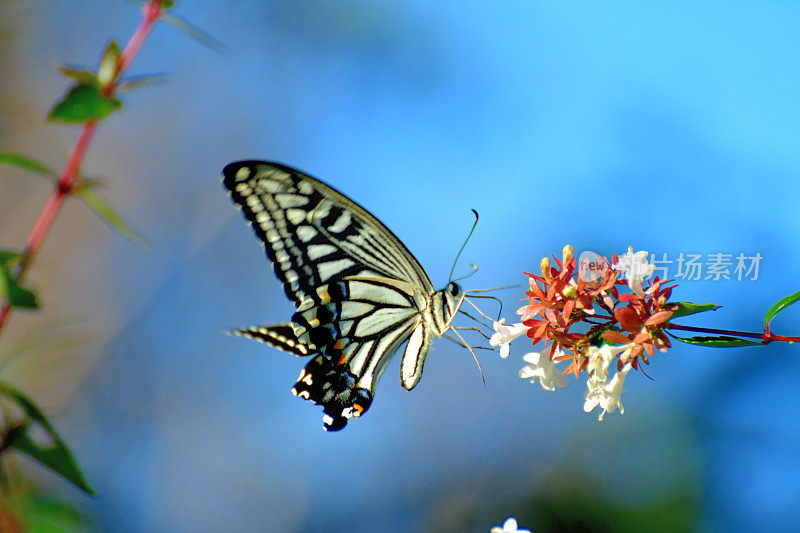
pixel 150 14
pixel 66 183
pixel 716 331
pixel 765 336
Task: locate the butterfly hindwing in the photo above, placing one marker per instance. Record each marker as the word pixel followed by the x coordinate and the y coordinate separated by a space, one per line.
pixel 331 385
pixel 356 335
pixel 279 336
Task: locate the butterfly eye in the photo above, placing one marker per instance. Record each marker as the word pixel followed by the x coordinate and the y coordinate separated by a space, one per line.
pixel 453 289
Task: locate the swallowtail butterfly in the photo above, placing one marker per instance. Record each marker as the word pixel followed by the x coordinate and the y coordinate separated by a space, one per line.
pixel 359 292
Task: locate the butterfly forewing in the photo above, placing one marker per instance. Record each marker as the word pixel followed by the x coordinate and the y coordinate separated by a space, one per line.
pixel 314 234
pixel 358 290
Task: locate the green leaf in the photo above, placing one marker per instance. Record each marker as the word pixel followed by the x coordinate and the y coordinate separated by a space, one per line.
pixel 194 32
pixel 101 207
pixel 108 65
pixel 93 183
pixel 137 82
pixel 7 256
pixel 721 341
pixel 688 308
pixel 16 295
pixel 779 306
pixel 81 75
pixel 83 102
pixel 22 161
pixel 55 456
pixel 46 515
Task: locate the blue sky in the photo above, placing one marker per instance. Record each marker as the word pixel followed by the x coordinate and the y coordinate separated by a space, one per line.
pixel 669 126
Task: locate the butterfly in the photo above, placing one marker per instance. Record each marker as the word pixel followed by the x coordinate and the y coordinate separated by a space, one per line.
pixel 359 293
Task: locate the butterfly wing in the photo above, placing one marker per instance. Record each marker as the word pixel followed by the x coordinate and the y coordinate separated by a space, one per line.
pixel 356 287
pixel 314 234
pixel 280 336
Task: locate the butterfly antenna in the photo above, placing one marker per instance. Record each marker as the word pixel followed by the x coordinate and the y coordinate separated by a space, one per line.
pixel 494 288
pixel 450 278
pixel 474 269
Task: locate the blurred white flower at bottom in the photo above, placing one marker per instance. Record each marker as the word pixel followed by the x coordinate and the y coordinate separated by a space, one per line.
pixel 509 526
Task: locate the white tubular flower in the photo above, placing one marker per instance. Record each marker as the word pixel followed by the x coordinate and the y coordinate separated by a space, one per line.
pixel 509 526
pixel 636 268
pixel 504 334
pixel 599 359
pixel 606 395
pixel 542 368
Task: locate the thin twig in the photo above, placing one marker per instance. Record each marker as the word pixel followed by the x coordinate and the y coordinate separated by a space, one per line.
pixel 765 336
pixel 151 11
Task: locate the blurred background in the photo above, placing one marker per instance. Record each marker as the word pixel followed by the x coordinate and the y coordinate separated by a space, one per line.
pixel 672 127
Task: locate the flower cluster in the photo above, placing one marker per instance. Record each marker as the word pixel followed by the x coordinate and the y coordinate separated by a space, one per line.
pixel 628 327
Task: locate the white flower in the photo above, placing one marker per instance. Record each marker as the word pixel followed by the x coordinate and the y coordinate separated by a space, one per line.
pixel 504 334
pixel 598 361
pixel 509 526
pixel 600 358
pixel 542 368
pixel 606 394
pixel 636 268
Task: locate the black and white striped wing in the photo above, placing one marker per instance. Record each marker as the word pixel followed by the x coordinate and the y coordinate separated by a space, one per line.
pixel 314 234
pixel 355 285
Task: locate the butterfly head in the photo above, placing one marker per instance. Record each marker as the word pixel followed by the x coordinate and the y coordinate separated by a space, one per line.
pixel 453 295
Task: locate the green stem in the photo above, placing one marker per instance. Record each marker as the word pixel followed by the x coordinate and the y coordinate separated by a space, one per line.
pixel 4 484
